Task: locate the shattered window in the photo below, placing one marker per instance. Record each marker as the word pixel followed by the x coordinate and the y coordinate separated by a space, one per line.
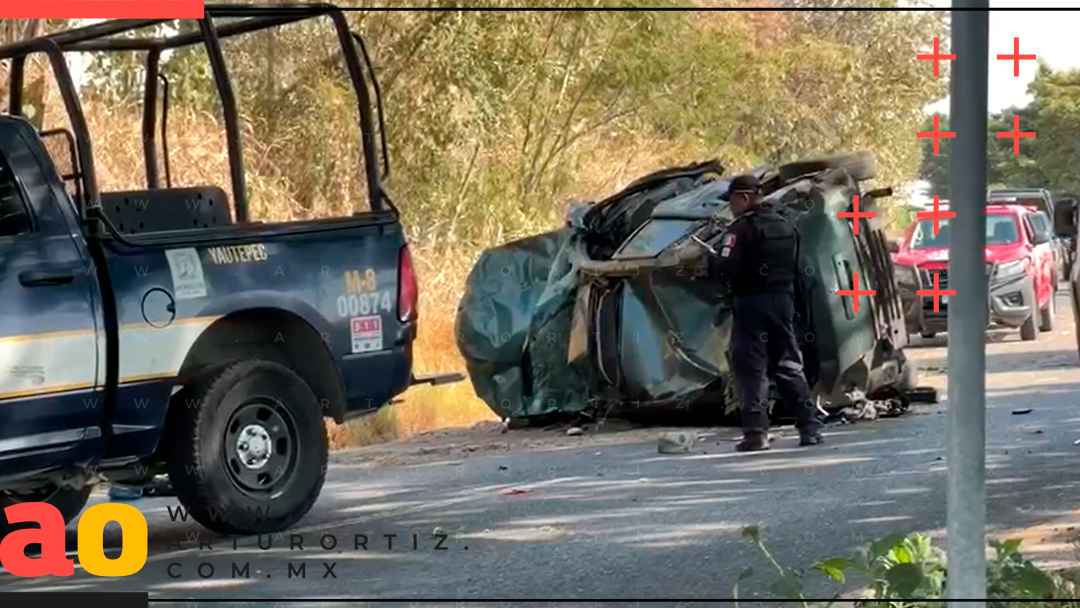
pixel 654 237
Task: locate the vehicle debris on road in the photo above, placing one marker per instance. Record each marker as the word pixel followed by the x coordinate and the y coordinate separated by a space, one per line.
pixel 678 442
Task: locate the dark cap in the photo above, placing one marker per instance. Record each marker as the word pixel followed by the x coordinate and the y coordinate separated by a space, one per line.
pixel 744 183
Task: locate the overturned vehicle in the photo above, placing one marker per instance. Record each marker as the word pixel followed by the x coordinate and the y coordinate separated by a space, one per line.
pixel 613 314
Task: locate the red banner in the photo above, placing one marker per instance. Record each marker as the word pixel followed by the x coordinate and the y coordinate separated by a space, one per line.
pixel 101 9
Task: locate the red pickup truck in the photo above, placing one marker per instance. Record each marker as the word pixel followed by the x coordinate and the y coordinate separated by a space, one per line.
pixel 1019 266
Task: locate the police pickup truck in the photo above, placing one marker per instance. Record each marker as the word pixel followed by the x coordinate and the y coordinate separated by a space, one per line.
pixel 161 331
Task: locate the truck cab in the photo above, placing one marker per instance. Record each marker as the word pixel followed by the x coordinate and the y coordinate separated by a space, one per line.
pixel 162 331
pixel 1019 267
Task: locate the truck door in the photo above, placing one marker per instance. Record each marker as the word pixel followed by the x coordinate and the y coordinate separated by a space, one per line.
pixel 50 407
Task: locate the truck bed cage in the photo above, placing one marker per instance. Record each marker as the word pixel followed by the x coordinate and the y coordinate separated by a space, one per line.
pixel 244 19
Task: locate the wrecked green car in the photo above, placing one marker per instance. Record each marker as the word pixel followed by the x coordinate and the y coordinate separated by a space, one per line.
pixel 613 314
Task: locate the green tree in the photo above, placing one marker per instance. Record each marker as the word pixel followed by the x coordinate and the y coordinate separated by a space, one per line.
pixel 934 168
pixel 1055 150
pixel 495 118
pixel 1049 160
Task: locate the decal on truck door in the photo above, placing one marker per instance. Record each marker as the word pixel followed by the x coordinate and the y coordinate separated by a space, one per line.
pixel 366 334
pixel 238 254
pixel 362 295
pixel 187 274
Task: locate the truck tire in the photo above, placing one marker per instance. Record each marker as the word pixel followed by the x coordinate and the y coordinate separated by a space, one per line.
pixel 860 165
pixel 248 455
pixel 68 501
pixel 1029 331
pixel 1046 315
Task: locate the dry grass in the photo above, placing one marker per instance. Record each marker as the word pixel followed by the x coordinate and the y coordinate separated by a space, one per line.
pixel 197 156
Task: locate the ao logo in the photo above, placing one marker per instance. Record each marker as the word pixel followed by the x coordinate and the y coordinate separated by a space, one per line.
pixel 51 537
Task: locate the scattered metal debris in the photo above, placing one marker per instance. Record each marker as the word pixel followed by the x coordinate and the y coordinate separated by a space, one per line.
pixel 862 408
pixel 677 442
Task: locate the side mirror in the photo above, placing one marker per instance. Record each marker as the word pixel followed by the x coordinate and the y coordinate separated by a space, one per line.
pixel 894 246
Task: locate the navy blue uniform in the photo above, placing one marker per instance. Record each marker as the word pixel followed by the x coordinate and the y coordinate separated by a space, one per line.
pixel 759 259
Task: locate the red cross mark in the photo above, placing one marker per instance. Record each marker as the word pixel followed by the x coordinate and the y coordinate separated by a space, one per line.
pixel 937 293
pixel 1016 57
pixel 1016 134
pixel 935 57
pixel 937 135
pixel 937 214
pixel 856 292
pixel 856 215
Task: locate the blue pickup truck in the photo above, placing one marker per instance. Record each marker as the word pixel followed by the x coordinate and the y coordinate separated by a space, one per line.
pixel 161 331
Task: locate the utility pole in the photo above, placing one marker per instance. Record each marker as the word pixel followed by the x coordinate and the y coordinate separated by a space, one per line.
pixel 966 507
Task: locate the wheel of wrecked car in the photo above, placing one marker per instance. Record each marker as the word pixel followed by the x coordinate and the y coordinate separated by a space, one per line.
pixel 250 456
pixel 68 501
pixel 860 165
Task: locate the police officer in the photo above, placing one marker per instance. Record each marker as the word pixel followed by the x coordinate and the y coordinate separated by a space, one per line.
pixel 758 258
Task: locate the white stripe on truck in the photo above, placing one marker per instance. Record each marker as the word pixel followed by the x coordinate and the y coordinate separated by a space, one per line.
pixel 38 364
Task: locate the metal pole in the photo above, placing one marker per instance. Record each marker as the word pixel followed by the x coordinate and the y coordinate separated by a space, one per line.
pixel 968 309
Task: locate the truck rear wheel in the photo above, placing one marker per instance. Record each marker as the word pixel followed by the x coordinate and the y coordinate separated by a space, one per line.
pixel 249 448
pixel 68 501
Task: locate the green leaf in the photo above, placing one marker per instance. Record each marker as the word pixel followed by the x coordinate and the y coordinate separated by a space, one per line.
pixel 904 579
pixel 788 586
pixel 834 567
pixel 882 546
pixel 903 555
pixel 1012 545
pixel 753 532
pixel 1032 582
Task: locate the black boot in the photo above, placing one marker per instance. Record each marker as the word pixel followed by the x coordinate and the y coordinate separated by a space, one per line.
pixel 810 437
pixel 753 441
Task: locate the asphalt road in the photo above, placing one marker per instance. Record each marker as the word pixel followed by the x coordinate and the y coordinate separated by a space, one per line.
pixel 620 521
